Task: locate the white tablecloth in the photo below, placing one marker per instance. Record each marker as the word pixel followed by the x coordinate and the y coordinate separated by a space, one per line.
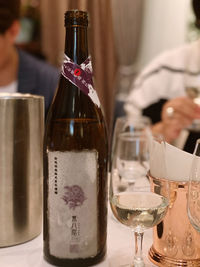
pixel 120 249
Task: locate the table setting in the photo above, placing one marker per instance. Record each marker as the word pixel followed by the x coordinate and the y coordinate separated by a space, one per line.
pixel 151 222
pixel 172 173
pixel 119 247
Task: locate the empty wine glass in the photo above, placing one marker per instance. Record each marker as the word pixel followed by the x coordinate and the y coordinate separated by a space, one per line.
pixel 194 189
pixel 129 124
pixel 132 202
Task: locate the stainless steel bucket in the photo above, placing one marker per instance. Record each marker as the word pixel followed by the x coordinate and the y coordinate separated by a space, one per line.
pixel 21 168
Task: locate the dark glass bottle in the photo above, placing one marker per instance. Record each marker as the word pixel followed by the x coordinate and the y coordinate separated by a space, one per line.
pixel 75 159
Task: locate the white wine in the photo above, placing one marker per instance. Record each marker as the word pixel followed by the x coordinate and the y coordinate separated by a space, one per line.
pixel 139 210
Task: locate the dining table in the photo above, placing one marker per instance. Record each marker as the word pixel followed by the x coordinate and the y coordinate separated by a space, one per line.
pixel 120 248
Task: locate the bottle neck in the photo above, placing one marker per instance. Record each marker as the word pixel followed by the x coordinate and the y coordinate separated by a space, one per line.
pixel 76 43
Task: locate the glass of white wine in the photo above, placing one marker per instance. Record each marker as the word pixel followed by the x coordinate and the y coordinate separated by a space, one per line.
pixel 192 90
pixel 132 202
pixel 194 189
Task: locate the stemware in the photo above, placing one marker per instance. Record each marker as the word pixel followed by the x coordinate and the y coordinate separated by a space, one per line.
pixel 192 90
pixel 132 202
pixel 193 206
pixel 129 124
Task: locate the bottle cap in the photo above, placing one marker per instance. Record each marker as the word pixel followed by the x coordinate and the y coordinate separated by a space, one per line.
pixel 76 17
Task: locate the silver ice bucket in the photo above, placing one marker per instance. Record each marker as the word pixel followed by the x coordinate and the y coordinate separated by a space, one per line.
pixel 21 168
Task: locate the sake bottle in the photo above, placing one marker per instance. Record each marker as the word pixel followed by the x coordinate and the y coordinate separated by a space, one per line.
pixel 75 159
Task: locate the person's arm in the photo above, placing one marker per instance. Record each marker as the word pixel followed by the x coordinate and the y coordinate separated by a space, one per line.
pixel 163 79
pixel 176 115
pixel 154 83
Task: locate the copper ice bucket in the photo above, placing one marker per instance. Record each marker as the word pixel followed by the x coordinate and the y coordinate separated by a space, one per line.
pixel 175 241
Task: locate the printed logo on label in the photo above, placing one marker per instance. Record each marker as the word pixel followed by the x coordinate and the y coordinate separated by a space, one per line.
pixel 75 235
pixel 77 72
pixel 74 196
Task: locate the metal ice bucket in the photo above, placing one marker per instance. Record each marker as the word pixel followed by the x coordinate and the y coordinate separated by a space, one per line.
pixel 175 241
pixel 21 169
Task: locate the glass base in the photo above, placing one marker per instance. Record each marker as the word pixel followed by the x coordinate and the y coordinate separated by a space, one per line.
pixel 126 260
pixel 138 263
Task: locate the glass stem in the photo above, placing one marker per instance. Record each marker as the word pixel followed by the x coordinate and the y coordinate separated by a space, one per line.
pixel 138 258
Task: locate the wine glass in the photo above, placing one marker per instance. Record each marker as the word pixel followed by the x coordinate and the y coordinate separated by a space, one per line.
pixel 132 202
pixel 193 206
pixel 192 89
pixel 129 124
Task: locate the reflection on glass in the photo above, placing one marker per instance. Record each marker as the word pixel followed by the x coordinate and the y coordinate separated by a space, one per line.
pixel 194 189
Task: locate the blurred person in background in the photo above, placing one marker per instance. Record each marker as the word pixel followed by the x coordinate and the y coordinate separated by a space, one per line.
pixel 159 92
pixel 20 71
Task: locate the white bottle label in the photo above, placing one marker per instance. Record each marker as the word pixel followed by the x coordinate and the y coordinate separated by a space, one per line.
pixel 72 204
